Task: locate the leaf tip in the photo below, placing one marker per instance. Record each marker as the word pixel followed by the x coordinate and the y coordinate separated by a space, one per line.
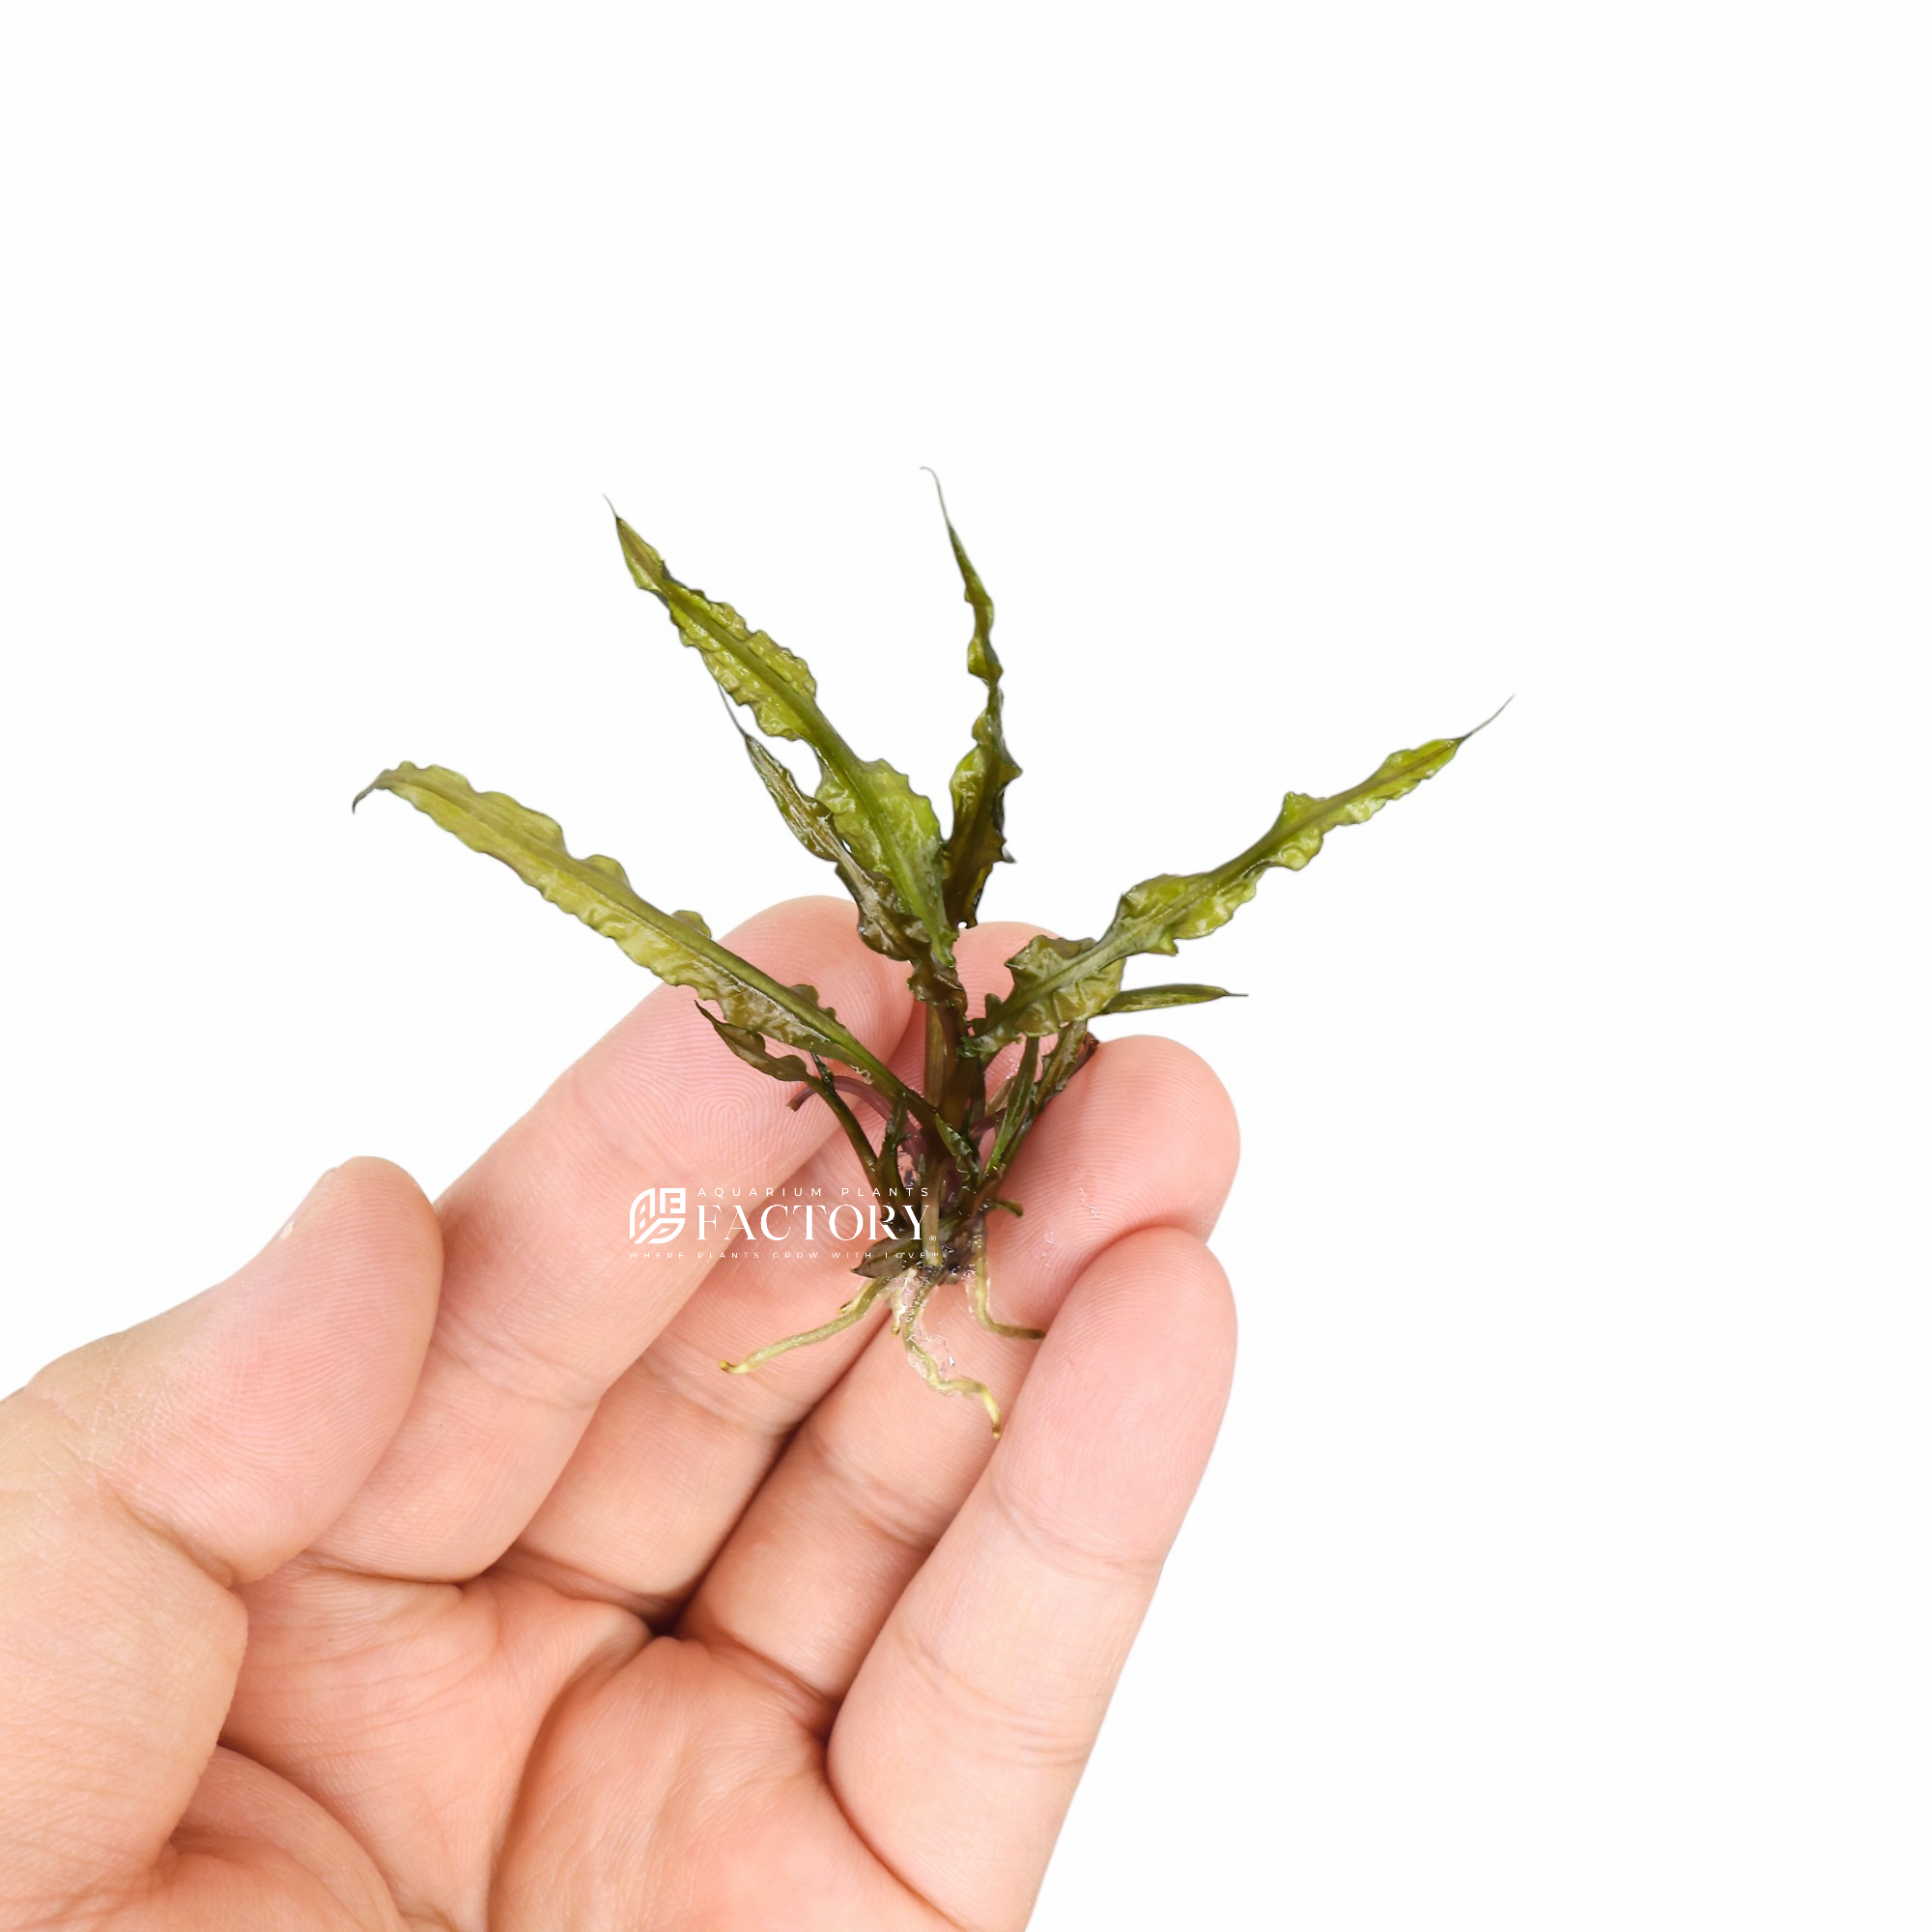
pixel 1489 721
pixel 940 489
pixel 645 565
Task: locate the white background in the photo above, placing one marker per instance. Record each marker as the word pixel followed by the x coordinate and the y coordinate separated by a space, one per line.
pixel 1305 382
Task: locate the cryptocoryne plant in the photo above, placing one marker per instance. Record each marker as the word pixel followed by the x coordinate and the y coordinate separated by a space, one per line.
pixel 944 1150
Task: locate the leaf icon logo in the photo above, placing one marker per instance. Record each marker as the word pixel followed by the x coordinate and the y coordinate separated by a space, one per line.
pixel 657 1216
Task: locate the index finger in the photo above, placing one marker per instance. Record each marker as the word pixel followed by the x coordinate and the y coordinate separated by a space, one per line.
pixel 546 1299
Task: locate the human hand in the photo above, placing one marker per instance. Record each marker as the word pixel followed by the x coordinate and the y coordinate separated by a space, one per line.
pixel 426 1573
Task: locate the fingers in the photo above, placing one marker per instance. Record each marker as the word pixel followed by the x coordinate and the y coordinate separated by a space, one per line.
pixel 143 1476
pixel 546 1299
pixel 707 1439
pixel 1144 1138
pixel 712 1438
pixel 999 1662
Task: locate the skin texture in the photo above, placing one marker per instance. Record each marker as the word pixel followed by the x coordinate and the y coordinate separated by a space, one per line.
pixel 426 1573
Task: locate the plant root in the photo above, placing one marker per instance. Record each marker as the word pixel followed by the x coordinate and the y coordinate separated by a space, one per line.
pixel 854 1310
pixel 909 1299
pixel 983 1313
pixel 910 1292
pixel 937 1377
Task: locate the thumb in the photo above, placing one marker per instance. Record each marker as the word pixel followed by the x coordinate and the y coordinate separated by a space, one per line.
pixel 143 1475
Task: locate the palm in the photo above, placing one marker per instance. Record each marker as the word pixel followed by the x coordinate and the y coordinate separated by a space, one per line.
pixel 581 1774
pixel 582 1632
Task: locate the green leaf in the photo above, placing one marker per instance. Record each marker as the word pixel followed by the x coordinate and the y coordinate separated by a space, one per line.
pixel 885 1259
pixel 890 831
pixel 1066 979
pixel 596 890
pixel 1024 1099
pixel 1148 999
pixel 789 1070
pixel 1071 1051
pixel 880 924
pixel 1018 1110
pixel 751 1048
pixel 1059 981
pixel 977 842
pixel 751 669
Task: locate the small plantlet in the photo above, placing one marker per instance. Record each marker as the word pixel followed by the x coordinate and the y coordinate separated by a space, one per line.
pixel 937 1156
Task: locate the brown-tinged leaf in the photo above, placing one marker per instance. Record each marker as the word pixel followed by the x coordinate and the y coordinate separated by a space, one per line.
pixel 596 890
pixel 890 831
pixel 1149 999
pixel 977 841
pixel 1057 982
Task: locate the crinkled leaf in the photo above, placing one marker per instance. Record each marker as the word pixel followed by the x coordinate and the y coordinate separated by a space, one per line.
pixel 751 1048
pixel 892 834
pixel 1068 978
pixel 880 925
pixel 596 890
pixel 1149 999
pixel 962 1151
pixel 752 668
pixel 890 831
pixel 1055 982
pixel 977 842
